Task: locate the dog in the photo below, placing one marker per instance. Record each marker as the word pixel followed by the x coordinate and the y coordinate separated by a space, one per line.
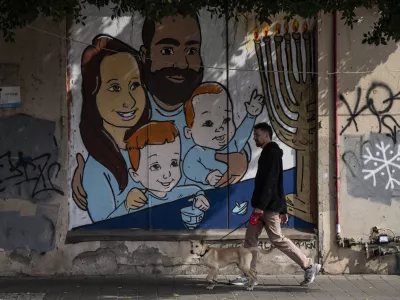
pixel 217 258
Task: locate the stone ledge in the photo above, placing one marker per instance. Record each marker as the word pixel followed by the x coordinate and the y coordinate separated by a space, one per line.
pixel 79 236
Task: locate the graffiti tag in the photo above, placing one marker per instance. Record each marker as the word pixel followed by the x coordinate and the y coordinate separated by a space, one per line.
pixel 383 116
pixel 22 169
pixel 266 245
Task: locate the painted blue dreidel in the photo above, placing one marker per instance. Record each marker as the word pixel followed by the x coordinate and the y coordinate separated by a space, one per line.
pixel 240 208
pixel 191 216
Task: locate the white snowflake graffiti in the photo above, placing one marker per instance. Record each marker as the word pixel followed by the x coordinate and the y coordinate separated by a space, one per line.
pixel 386 163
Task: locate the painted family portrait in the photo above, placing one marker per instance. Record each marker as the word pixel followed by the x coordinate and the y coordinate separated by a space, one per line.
pixel 162 118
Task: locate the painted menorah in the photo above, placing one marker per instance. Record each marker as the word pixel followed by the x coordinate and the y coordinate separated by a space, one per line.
pixel 302 105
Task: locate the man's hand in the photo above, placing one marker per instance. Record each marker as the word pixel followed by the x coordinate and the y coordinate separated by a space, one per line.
pixel 135 199
pixel 255 216
pixel 78 193
pixel 214 177
pixel 237 167
pixel 284 218
pixel 258 211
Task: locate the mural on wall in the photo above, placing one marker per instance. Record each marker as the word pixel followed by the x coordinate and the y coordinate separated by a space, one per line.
pixel 163 134
pixel 299 99
pixel 372 159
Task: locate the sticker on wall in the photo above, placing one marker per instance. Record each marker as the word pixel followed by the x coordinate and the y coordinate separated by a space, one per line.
pixel 10 96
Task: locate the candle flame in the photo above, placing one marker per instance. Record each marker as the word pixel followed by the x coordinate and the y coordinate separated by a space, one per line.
pixel 256 34
pixel 305 26
pixel 277 28
pixel 286 27
pixel 265 30
pixel 295 25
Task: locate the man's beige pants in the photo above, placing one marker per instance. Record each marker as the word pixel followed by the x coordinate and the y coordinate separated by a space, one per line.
pixel 273 228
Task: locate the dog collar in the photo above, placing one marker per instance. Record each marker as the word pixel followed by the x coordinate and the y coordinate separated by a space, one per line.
pixel 205 252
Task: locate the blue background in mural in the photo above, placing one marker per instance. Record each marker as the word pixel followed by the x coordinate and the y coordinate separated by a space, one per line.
pixel 219 216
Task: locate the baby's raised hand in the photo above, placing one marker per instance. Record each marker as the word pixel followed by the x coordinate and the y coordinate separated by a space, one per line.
pixel 214 177
pixel 255 105
pixel 201 202
pixel 135 199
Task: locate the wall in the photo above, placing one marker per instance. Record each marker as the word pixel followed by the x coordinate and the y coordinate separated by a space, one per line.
pixel 40 141
pixel 368 144
pixel 36 201
pixel 33 150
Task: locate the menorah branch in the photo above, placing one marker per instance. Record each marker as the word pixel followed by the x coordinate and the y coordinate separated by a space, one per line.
pixel 274 90
pixel 282 133
pixel 307 46
pixel 291 106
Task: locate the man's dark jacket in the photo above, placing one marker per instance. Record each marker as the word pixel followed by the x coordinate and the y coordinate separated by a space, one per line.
pixel 268 187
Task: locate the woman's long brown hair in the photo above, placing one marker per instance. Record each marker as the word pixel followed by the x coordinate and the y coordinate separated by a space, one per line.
pixel 98 142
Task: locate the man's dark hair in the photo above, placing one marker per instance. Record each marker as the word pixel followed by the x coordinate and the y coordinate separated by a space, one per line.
pixel 264 127
pixel 149 28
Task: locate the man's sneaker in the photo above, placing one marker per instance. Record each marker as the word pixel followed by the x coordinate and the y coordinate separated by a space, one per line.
pixel 241 280
pixel 310 273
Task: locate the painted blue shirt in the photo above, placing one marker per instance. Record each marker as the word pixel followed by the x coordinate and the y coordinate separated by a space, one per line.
pixel 178 116
pixel 200 161
pixel 105 201
pixel 178 192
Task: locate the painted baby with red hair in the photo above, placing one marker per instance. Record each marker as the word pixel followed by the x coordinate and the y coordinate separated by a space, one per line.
pixel 154 152
pixel 209 119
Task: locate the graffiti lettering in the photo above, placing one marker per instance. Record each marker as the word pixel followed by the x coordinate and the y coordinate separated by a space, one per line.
pixel 383 115
pixel 266 245
pixel 305 244
pixel 393 129
pixel 21 170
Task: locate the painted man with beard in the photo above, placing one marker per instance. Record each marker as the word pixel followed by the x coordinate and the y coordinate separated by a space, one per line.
pixel 173 68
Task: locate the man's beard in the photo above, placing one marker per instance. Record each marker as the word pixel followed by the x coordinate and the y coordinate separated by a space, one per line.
pixel 168 92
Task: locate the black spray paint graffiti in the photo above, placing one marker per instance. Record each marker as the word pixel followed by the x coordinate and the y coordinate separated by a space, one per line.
pixel 383 116
pixel 308 245
pixel 266 245
pixel 22 170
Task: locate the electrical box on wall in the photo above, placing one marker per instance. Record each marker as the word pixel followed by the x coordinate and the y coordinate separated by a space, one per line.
pixel 383 239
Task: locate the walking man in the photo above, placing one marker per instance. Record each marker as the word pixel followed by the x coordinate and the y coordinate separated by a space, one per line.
pixel 270 207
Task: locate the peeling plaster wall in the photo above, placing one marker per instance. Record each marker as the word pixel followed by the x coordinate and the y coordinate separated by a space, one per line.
pixel 37 63
pixel 368 110
pixel 33 151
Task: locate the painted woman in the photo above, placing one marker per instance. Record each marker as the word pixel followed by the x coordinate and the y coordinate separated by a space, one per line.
pixel 114 106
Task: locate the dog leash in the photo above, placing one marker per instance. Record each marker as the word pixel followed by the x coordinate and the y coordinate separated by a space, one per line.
pixel 244 223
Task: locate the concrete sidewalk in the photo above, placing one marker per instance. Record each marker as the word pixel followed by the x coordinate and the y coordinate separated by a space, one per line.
pixel 371 287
